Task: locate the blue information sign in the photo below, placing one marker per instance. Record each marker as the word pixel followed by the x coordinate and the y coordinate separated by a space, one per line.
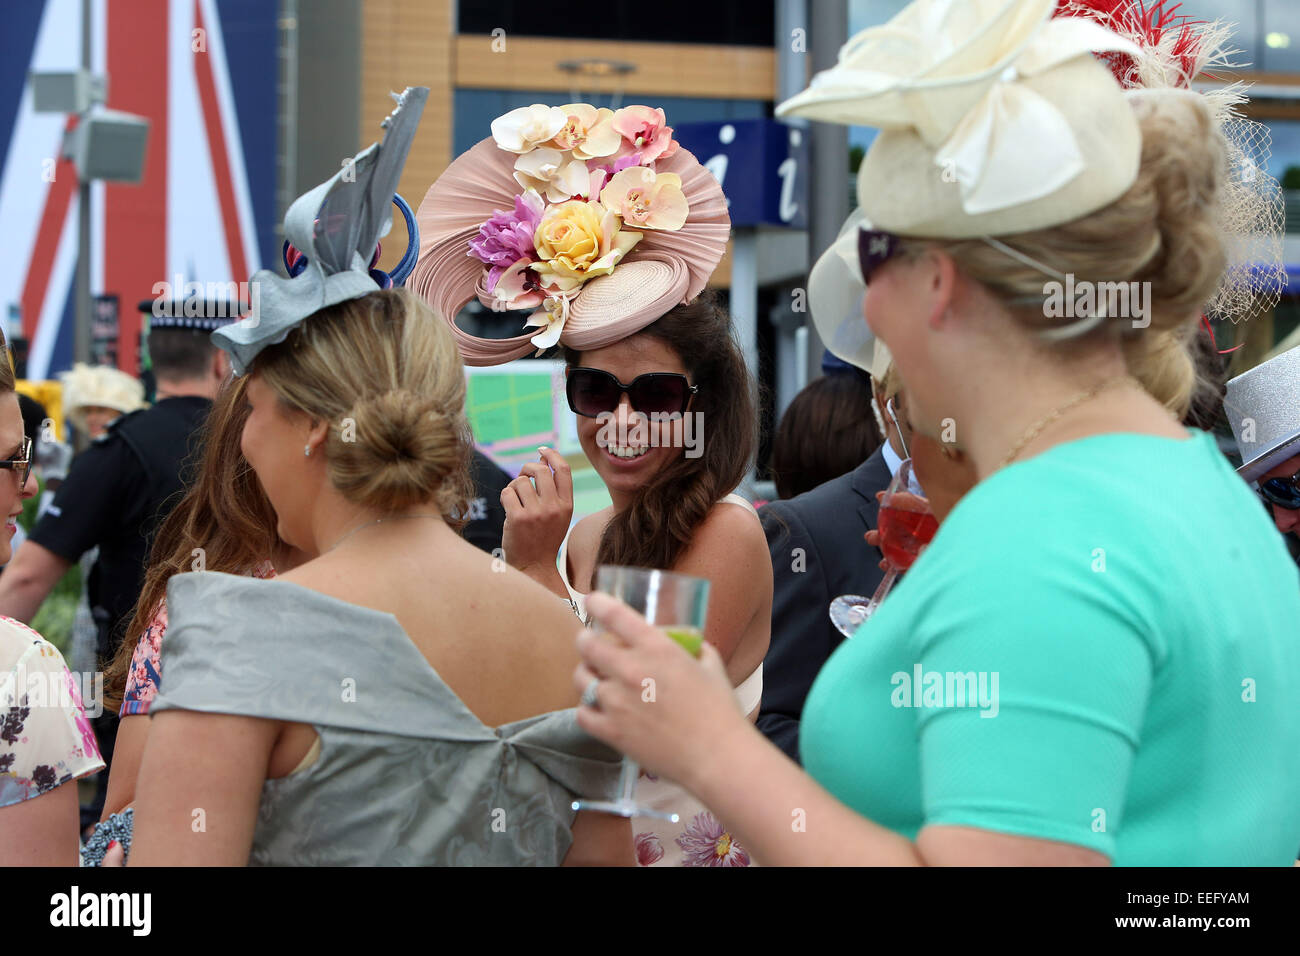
pixel 762 165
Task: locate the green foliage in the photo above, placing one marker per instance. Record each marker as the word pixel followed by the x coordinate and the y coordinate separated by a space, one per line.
pixel 53 620
pixel 855 158
pixel 27 520
pixel 1291 178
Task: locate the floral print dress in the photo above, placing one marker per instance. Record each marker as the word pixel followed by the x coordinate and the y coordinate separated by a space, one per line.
pixel 697 839
pixel 45 738
pixel 146 670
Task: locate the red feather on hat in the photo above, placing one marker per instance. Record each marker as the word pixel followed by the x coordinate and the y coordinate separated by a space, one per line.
pixel 1153 26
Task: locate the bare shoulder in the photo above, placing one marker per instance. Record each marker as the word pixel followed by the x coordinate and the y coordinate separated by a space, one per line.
pixel 584 542
pixel 733 524
pixel 589 529
pixel 730 537
pixel 320 574
pixel 303 573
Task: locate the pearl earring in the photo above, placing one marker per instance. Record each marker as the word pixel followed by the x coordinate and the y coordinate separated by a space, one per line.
pixel 307 450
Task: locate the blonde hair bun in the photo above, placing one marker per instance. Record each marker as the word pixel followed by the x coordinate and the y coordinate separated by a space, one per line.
pixel 384 371
pixel 402 448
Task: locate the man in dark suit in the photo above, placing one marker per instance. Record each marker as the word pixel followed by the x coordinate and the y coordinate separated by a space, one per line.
pixel 818 553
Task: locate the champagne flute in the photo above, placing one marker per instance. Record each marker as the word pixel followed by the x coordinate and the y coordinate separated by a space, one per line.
pixel 678 604
pixel 906 525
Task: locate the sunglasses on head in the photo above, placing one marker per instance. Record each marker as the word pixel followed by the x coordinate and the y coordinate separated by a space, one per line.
pixel 1283 492
pixel 875 248
pixel 592 392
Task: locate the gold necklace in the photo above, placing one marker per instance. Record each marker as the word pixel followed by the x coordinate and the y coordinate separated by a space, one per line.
pixel 1036 429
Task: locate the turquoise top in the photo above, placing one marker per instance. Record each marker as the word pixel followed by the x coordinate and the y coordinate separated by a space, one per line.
pixel 1099 647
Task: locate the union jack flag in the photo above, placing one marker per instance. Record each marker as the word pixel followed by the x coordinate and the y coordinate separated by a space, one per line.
pixel 205 74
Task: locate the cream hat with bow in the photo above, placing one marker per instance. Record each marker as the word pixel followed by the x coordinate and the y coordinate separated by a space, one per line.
pixel 994 119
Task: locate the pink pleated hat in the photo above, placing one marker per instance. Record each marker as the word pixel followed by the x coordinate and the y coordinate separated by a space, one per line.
pixel 666 267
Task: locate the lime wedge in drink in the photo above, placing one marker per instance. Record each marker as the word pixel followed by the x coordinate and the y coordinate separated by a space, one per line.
pixel 689 637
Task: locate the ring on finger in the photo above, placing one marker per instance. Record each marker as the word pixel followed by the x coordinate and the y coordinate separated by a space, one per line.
pixel 589 696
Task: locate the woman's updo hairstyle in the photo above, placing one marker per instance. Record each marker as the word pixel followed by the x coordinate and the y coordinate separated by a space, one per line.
pixel 384 371
pixel 1165 230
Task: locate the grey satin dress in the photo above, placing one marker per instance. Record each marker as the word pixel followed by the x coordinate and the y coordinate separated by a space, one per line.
pixel 406 774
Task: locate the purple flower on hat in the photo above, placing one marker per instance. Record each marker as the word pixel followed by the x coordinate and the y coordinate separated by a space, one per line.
pixel 602 171
pixel 508 236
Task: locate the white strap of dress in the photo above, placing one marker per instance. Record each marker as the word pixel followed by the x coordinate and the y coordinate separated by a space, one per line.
pixel 750 692
pixel 577 600
pixel 736 499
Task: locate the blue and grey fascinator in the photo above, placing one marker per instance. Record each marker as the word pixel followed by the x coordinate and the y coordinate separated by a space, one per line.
pixel 332 241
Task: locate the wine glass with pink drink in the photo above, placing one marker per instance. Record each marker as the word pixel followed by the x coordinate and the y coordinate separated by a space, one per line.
pixel 906 525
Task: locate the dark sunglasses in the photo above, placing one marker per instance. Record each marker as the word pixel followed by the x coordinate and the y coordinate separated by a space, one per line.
pixel 21 465
pixel 1283 492
pixel 875 248
pixel 592 391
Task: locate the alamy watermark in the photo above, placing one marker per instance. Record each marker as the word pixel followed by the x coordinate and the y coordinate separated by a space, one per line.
pixel 639 432
pixel 55 688
pixel 1081 299
pixel 75 908
pixel 944 689
pixel 206 300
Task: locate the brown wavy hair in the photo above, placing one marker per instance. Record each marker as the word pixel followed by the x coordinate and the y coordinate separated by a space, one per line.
pixel 828 431
pixel 225 513
pixel 654 530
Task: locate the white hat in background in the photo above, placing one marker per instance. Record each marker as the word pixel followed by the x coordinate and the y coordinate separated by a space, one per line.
pixel 99 386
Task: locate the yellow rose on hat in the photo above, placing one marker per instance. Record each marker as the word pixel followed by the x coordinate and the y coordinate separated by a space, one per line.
pixel 577 240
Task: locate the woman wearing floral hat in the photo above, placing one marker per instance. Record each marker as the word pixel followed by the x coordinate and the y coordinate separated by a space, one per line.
pixel 1053 682
pixel 604 226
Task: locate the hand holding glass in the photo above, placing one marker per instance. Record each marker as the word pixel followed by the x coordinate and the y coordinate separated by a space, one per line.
pixel 679 605
pixel 906 526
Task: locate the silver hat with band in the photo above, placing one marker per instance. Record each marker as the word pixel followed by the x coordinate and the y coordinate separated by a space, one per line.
pixel 1263 408
pixel 336 226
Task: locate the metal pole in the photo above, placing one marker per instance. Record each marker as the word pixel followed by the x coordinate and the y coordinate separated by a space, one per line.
pixel 81 340
pixel 791 77
pixel 744 312
pixel 288 185
pixel 829 154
